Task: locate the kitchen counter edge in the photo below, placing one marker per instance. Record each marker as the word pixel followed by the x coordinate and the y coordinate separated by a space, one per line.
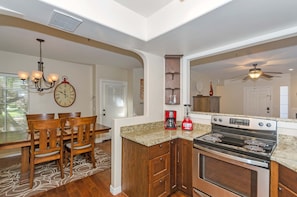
pixel 154 133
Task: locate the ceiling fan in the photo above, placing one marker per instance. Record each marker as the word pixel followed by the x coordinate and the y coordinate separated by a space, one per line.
pixel 255 73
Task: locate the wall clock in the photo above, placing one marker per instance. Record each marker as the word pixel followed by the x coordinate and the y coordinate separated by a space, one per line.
pixel 64 94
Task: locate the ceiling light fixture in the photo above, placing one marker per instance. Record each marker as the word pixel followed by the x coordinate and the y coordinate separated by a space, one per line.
pixel 255 73
pixel 37 76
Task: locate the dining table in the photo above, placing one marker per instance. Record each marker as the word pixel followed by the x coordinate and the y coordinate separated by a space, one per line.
pixel 21 139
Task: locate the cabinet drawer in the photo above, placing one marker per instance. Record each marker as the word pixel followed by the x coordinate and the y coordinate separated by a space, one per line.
pixel 160 187
pixel 197 193
pixel 159 149
pixel 288 177
pixel 159 167
pixel 283 191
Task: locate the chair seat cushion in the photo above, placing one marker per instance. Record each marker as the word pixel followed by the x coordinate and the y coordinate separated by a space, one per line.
pixel 47 154
pixel 68 145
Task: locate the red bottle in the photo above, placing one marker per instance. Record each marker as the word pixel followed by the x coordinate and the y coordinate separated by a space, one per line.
pixel 210 89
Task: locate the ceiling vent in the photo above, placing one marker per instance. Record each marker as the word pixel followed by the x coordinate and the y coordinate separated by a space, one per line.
pixel 64 21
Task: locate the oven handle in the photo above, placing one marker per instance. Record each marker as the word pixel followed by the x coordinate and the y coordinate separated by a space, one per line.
pixel 240 159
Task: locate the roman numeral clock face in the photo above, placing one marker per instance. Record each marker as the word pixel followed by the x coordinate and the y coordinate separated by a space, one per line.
pixel 64 94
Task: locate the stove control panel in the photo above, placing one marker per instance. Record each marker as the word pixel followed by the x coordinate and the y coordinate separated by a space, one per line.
pixel 244 123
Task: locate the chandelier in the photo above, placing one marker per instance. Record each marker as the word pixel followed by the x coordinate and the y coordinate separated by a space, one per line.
pixel 255 73
pixel 37 77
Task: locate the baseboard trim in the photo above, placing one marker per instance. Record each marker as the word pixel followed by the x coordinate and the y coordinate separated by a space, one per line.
pixel 115 191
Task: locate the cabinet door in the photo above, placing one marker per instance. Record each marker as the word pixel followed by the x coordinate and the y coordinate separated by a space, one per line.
pixel 173 165
pixel 185 148
pixel 201 103
pixel 160 187
pixel 285 192
pixel 159 167
pixel 197 193
pixel 214 104
pixel 288 178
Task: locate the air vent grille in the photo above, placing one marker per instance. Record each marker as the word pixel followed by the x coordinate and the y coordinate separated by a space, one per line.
pixel 64 21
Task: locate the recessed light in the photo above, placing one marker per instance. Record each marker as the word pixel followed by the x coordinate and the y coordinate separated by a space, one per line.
pixel 291 69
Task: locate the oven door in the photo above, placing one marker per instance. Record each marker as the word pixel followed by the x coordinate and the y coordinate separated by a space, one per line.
pixel 215 174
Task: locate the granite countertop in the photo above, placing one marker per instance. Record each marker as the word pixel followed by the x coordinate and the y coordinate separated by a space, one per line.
pixel 154 133
pixel 285 152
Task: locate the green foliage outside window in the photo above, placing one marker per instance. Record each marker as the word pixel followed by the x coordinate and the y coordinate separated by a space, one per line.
pixel 13 103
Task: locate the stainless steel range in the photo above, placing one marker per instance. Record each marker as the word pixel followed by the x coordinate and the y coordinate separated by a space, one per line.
pixel 234 159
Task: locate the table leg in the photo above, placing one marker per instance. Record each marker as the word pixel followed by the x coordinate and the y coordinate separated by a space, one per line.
pixel 24 176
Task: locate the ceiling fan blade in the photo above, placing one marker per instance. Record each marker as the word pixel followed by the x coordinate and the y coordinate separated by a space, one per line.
pixel 238 77
pixel 246 78
pixel 264 75
pixel 275 73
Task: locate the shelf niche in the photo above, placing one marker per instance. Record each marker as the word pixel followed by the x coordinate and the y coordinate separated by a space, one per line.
pixel 172 79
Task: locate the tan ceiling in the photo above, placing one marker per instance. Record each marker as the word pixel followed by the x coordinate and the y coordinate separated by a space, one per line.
pixel 256 21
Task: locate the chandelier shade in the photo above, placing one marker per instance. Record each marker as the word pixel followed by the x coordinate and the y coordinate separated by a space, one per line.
pixel 255 73
pixel 40 83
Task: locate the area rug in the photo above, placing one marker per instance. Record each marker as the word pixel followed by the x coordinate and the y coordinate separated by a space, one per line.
pixel 47 176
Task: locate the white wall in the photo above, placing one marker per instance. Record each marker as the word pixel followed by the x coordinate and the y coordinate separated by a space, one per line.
pixel 110 73
pixel 293 95
pixel 79 75
pixel 153 111
pixel 137 104
pixel 232 91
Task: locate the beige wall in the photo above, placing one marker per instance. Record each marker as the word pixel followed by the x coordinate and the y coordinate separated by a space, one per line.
pixel 85 79
pixel 78 75
pixel 138 103
pixel 293 95
pixel 232 92
pixel 153 111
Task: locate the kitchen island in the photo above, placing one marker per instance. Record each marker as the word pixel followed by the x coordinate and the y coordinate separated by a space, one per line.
pixel 284 167
pixel 157 162
pixel 285 152
pixel 154 133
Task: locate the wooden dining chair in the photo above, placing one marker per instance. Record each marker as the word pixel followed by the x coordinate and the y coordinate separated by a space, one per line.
pixel 82 139
pixel 43 116
pixel 69 114
pixel 46 143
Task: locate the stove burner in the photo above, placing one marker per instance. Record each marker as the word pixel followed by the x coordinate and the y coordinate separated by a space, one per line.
pixel 217 135
pixel 254 148
pixel 212 138
pixel 255 143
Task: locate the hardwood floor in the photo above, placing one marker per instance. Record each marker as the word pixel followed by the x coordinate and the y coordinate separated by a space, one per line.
pixel 96 185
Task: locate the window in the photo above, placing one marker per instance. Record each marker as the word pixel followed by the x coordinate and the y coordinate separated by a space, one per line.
pixel 13 103
pixel 284 101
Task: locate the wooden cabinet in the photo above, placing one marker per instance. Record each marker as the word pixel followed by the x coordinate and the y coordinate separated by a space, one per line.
pixel 145 170
pixel 283 181
pixel 173 165
pixel 206 103
pixel 181 166
pixel 197 193
pixel 172 79
pixel 184 166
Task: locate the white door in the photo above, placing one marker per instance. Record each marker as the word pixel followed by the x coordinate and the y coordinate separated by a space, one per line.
pixel 113 102
pixel 257 101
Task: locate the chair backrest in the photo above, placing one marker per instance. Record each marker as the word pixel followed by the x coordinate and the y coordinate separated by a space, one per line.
pixel 46 136
pixel 65 117
pixel 69 115
pixel 82 130
pixel 44 116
